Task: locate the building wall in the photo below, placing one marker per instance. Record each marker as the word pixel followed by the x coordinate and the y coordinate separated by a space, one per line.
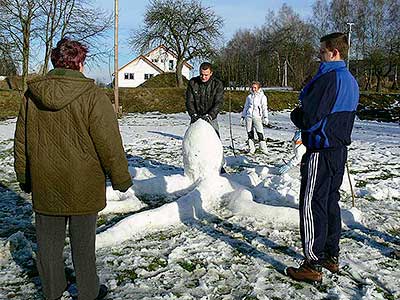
pixel 162 60
pixel 139 68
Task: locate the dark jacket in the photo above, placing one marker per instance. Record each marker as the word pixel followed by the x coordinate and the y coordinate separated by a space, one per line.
pixel 328 108
pixel 204 98
pixel 66 141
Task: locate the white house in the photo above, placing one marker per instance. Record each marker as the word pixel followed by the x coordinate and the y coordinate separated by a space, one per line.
pixel 157 61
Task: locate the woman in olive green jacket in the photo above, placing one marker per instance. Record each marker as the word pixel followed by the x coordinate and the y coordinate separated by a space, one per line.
pixel 67 142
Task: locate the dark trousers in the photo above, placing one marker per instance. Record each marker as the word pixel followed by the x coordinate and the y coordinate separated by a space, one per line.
pixel 50 232
pixel 320 221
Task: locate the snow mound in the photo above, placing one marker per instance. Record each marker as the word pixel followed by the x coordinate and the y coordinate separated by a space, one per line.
pixel 352 216
pixel 202 151
pixel 118 202
pixel 207 193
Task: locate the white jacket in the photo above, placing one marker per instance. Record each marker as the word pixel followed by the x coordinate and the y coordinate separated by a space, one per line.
pixel 256 106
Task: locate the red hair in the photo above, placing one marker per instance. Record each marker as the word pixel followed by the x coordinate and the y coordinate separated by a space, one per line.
pixel 68 54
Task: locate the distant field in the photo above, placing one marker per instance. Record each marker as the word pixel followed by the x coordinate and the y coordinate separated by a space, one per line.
pixel 373 106
pixel 172 100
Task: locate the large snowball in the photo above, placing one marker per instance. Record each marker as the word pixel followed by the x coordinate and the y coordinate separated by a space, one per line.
pixel 202 151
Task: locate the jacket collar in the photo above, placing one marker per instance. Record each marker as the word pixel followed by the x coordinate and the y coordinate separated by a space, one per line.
pixel 260 92
pixel 66 72
pixel 326 67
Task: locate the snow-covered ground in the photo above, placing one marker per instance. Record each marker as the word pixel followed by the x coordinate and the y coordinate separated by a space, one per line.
pixel 221 254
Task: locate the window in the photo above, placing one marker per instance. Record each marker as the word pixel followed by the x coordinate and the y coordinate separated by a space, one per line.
pixel 171 65
pixel 129 76
pixel 148 76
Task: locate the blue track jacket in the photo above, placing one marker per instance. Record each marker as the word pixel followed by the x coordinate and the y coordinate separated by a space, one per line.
pixel 328 107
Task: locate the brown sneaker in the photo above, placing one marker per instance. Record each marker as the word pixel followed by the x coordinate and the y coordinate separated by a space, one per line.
pixel 306 272
pixel 331 263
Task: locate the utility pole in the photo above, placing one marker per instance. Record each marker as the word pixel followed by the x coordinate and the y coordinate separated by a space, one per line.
pixel 116 99
pixel 349 40
pixel 285 65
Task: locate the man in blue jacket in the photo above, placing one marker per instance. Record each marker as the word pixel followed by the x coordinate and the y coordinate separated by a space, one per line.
pixel 325 117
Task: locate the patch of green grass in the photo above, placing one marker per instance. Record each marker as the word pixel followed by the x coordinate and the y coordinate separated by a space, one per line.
pixel 361 171
pixel 387 264
pixel 153 201
pixel 164 80
pixel 361 183
pixel 115 253
pixel 190 266
pixel 298 286
pixel 370 198
pixel 323 288
pixel 192 283
pixel 160 236
pixel 126 275
pixel 379 106
pixel 224 289
pixel 385 294
pixel 6 153
pixel 384 176
pixel 187 265
pixel 156 264
pixel 101 220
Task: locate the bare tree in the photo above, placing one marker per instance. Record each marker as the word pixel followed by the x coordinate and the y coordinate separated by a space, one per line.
pixel 186 27
pixel 340 15
pixel 16 26
pixel 321 18
pixel 51 13
pixel 376 40
pixel 7 60
pixel 284 41
pixel 77 19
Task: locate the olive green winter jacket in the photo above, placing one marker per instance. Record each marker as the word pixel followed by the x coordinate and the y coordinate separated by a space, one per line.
pixel 67 141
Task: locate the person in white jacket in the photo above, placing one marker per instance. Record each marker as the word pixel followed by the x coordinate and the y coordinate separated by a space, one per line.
pixel 298 150
pixel 255 115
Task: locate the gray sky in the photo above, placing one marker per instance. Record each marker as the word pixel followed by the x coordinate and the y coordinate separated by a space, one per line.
pixel 237 14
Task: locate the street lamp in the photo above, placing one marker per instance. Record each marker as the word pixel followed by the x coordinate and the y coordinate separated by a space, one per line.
pixel 116 95
pixel 348 41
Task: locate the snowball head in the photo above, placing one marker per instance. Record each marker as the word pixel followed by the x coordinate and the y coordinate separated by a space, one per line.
pixel 202 151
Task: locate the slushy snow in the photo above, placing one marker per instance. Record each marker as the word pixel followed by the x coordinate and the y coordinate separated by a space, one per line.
pixel 207 236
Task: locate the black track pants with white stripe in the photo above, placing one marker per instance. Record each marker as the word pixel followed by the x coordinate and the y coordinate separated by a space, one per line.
pixel 320 222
